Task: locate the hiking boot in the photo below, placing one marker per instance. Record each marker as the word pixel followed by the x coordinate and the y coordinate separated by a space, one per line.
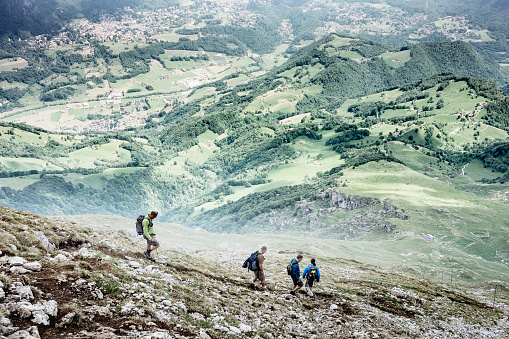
pixel 147 255
pixel 292 292
pixel 252 285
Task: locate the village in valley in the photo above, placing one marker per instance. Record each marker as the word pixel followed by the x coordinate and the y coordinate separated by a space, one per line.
pixel 180 76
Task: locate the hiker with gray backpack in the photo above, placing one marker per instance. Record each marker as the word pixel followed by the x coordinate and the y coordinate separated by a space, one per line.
pixel 255 264
pixel 312 275
pixel 145 227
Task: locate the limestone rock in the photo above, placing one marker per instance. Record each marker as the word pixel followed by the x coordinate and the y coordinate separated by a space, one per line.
pixel 245 328
pixel 22 335
pixel 44 241
pixel 60 258
pixel 101 311
pixel 25 293
pixel 33 266
pixel 134 264
pixel 19 270
pixel 16 261
pixel 66 320
pixel 50 307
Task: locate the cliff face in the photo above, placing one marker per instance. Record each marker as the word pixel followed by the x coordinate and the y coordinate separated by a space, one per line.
pixel 88 281
pixel 331 215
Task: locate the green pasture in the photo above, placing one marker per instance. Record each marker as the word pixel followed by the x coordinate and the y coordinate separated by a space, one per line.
pixel 169 167
pixel 196 155
pixel 10 64
pixel 384 128
pixel 414 159
pixel 396 59
pixel 8 85
pixel 476 171
pixel 26 164
pixel 19 183
pixel 339 42
pixel 93 156
pixel 23 136
pixel 98 180
pixel 351 55
pixel 117 47
pixel 276 58
pixel 241 79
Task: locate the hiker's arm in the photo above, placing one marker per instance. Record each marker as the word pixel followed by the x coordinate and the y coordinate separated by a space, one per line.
pixel 305 272
pixel 145 225
pixel 318 275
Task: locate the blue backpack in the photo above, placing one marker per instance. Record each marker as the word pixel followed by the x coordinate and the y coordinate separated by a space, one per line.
pixel 251 263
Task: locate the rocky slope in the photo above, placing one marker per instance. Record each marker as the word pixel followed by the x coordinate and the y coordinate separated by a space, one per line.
pixel 62 279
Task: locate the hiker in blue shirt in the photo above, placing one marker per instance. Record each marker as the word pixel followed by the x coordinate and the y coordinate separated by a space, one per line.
pixel 311 274
pixel 297 283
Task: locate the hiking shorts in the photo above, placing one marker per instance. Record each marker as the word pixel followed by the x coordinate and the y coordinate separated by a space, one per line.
pixel 297 282
pixel 150 242
pixel 259 275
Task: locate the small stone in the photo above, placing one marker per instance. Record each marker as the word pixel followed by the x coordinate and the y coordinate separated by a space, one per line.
pixel 235 330
pixel 245 328
pixel 25 293
pixel 134 264
pixel 22 335
pixel 23 309
pixel 203 334
pixel 19 270
pixel 34 332
pixel 50 308
pixel 40 317
pixel 60 258
pixel 333 307
pixel 101 311
pixel 66 320
pixel 16 261
pixel 13 247
pixel 33 266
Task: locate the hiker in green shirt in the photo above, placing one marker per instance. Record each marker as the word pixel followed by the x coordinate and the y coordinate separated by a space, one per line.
pixel 149 235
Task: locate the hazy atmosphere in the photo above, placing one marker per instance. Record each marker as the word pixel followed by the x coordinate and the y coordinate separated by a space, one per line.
pixel 371 136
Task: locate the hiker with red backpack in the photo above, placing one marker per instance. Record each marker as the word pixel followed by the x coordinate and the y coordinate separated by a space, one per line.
pixel 312 275
pixel 146 227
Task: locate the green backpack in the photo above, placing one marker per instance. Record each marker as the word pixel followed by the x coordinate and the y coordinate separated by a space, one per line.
pixel 289 268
